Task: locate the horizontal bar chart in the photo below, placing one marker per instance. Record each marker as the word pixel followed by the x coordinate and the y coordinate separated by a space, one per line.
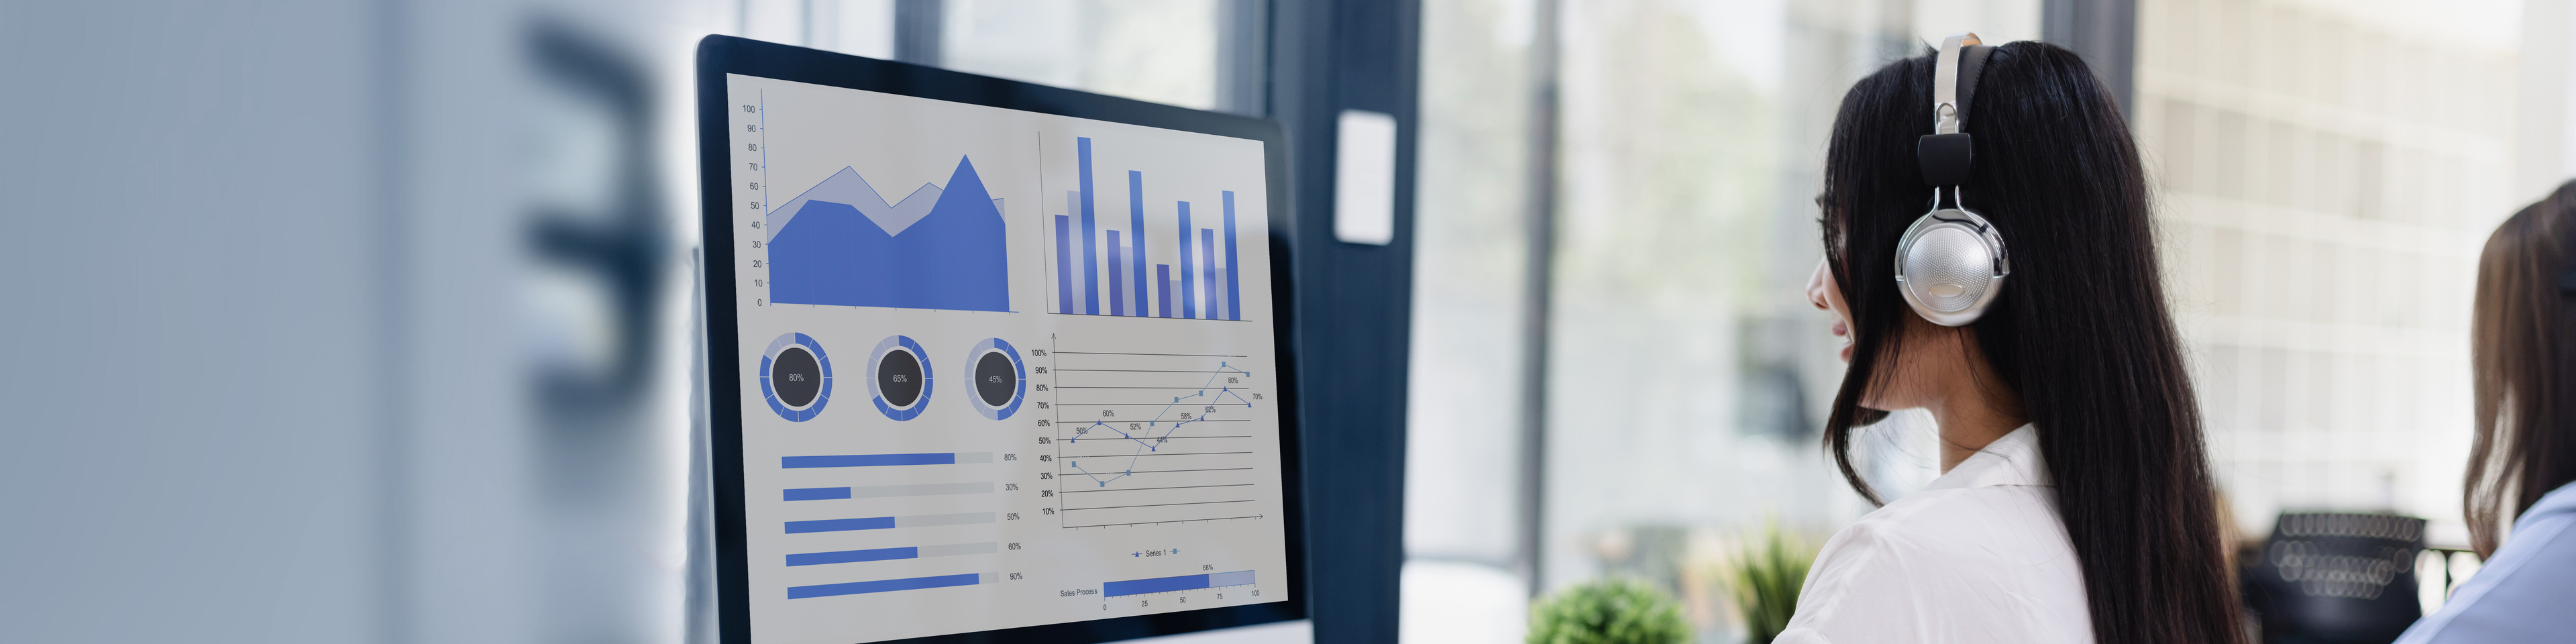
pixel 885 523
pixel 883 460
pixel 816 493
pixel 888 585
pixel 1183 582
pixel 887 554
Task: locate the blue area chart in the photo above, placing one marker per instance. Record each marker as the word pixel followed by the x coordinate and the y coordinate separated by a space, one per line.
pixel 842 244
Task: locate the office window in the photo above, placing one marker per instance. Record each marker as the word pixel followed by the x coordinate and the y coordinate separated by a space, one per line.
pixel 1685 375
pixel 1205 54
pixel 1157 50
pixel 2329 173
pixel 1462 582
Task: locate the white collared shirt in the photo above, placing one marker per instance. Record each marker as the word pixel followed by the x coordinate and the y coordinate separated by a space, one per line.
pixel 1978 556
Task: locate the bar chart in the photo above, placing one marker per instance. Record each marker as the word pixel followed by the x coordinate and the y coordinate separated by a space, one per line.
pixel 847 524
pixel 1098 270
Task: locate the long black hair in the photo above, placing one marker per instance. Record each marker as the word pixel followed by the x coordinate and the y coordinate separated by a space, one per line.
pixel 2522 346
pixel 2080 332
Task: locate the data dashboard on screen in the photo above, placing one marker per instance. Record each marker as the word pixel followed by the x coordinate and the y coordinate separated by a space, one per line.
pixel 998 368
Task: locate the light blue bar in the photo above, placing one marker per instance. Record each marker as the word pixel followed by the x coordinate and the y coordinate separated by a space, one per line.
pixel 852 556
pixel 839 525
pixel 1063 264
pixel 881 586
pixel 817 493
pixel 866 460
pixel 1207 271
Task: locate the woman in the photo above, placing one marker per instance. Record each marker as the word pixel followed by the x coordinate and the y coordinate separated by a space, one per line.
pixel 2076 503
pixel 2522 346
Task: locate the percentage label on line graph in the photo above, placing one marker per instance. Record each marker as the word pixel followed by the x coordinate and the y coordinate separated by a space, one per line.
pixel 1155 438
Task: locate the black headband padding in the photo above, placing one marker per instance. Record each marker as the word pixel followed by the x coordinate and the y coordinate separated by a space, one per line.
pixel 1972 63
pixel 1946 158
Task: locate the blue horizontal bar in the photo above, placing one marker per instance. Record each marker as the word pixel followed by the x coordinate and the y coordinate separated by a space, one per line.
pixel 851 556
pixel 866 460
pixel 887 585
pixel 837 525
pixel 1155 585
pixel 817 493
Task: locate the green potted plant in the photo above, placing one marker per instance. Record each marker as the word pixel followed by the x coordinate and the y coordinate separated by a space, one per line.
pixel 1608 611
pixel 1765 579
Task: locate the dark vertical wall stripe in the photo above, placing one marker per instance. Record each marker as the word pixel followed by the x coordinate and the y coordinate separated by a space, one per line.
pixel 1354 305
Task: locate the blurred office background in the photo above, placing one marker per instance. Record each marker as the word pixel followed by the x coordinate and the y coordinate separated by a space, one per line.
pixel 373 321
pixel 2327 173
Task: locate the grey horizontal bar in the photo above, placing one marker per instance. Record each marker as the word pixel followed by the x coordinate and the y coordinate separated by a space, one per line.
pixel 974 457
pixel 952 550
pixel 924 489
pixel 925 520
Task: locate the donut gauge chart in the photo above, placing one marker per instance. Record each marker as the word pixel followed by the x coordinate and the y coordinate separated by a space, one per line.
pixel 899 378
pixel 796 377
pixel 1000 381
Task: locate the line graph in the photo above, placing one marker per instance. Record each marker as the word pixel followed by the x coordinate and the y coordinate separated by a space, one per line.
pixel 1144 437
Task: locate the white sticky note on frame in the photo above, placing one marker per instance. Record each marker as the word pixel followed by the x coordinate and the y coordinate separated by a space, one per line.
pixel 1364 179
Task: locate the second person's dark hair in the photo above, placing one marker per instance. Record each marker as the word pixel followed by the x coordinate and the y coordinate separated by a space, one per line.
pixel 2522 348
pixel 2081 331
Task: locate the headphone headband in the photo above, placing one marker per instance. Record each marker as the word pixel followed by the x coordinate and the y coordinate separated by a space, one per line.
pixel 1946 155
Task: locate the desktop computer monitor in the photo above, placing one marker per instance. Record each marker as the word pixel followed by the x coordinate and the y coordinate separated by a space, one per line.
pixel 989 361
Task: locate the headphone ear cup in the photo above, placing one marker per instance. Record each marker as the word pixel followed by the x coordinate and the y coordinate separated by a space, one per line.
pixel 1950 266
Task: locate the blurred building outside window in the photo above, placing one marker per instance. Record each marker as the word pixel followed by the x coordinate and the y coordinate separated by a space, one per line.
pixel 2327 174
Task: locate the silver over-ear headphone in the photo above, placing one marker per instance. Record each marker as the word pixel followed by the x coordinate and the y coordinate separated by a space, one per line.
pixel 1950 265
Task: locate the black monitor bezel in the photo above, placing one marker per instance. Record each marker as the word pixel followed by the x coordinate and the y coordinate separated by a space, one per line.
pixel 721 55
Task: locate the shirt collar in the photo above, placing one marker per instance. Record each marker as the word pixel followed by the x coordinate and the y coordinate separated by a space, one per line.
pixel 2013 459
pixel 2556 502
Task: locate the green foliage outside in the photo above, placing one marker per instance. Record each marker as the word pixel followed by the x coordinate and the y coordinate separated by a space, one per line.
pixel 1765 580
pixel 1609 611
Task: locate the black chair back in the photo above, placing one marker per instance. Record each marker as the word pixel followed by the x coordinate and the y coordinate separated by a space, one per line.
pixel 2336 577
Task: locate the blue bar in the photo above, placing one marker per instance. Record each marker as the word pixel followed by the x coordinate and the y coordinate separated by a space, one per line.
pixel 1063 266
pixel 817 493
pixel 852 556
pixel 1189 278
pixel 1155 585
pixel 889 585
pixel 1117 278
pixel 1233 278
pixel 1207 270
pixel 866 460
pixel 1163 288
pixel 840 525
pixel 1090 237
pixel 1136 233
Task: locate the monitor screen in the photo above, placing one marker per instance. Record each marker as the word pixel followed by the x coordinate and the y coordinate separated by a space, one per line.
pixel 994 368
